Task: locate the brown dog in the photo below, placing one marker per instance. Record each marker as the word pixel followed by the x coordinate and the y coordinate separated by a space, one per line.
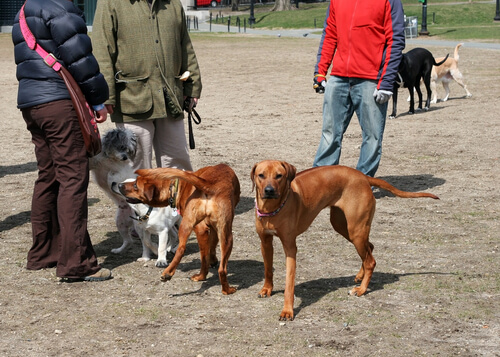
pixel 287 204
pixel 205 199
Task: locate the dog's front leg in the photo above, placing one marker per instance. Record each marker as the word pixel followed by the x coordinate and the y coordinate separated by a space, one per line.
pixel 394 101
pixel 148 246
pixel 161 262
pixel 185 230
pixel 290 248
pixel 125 227
pixel 412 100
pixel 266 247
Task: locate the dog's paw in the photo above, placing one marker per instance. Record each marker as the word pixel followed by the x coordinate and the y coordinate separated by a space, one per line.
pixel 357 291
pixel 286 315
pixel 121 249
pixel 161 263
pixel 229 290
pixel 165 277
pixel 265 292
pixel 214 264
pixel 199 277
pixel 392 117
pixel 143 259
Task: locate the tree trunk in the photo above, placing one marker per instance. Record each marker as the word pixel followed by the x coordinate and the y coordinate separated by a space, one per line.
pixel 282 5
pixel 234 5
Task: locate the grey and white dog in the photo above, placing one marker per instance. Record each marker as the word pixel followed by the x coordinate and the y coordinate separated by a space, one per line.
pixel 114 165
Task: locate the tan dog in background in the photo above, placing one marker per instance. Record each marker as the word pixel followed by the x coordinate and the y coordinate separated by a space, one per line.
pixel 206 200
pixel 447 73
pixel 287 204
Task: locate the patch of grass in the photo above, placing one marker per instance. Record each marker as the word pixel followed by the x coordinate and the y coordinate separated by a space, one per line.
pixel 446 19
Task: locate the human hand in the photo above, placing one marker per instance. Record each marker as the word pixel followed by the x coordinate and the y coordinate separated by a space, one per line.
pixel 190 103
pixel 319 83
pixel 101 115
pixel 382 96
pixel 110 108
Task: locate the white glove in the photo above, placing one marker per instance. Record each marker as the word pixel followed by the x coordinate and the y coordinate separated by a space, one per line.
pixel 381 96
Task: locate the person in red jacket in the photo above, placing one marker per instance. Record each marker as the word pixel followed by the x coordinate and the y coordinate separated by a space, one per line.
pixel 363 42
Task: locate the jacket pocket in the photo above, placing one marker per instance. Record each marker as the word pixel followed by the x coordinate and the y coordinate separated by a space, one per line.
pixel 134 95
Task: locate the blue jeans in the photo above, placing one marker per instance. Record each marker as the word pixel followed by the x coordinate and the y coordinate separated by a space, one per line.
pixel 344 97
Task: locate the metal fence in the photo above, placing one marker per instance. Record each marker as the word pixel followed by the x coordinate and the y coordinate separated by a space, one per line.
pixel 411 26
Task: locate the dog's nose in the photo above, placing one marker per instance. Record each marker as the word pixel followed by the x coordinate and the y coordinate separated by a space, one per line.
pixel 269 191
pixel 124 157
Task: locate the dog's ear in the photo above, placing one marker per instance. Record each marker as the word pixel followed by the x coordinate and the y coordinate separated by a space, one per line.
pixel 290 170
pixel 252 176
pixel 141 172
pixel 149 191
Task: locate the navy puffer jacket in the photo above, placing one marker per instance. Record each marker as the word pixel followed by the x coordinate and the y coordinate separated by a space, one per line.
pixel 59 28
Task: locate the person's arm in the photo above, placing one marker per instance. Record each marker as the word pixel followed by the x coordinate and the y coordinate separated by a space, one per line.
pixel 192 86
pixel 395 44
pixel 105 47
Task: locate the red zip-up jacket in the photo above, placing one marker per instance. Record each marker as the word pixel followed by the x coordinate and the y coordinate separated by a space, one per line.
pixel 363 39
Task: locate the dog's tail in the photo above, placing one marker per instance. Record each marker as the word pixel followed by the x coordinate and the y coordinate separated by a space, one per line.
pixel 171 173
pixel 404 194
pixel 441 62
pixel 455 55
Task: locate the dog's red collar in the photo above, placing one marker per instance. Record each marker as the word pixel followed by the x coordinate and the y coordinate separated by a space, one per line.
pixel 273 213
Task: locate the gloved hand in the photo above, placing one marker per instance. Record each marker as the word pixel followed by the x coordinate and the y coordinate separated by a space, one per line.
pixel 382 96
pixel 319 83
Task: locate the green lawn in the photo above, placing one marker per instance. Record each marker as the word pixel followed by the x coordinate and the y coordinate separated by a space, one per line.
pixel 446 19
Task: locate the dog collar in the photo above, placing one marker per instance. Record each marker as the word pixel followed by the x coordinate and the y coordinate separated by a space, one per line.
pixel 145 217
pixel 173 194
pixel 273 213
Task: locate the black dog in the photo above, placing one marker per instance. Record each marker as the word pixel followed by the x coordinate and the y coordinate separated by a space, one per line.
pixel 415 65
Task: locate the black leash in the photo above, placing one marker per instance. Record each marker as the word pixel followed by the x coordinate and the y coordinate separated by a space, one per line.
pixel 196 119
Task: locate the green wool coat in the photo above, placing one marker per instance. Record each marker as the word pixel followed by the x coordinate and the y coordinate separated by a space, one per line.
pixel 142 51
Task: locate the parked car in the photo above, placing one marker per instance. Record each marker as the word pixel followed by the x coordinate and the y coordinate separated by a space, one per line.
pixel 212 3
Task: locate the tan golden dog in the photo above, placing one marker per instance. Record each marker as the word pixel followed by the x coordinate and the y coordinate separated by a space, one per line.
pixel 205 199
pixel 287 204
pixel 447 73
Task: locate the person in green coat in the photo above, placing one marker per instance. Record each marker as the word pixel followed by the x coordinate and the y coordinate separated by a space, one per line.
pixel 145 53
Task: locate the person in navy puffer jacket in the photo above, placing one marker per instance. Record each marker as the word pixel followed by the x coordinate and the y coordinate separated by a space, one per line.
pixel 59 207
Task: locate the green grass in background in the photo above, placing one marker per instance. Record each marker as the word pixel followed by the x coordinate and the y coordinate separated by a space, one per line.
pixel 446 19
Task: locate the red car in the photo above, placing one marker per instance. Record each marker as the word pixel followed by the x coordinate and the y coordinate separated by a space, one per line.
pixel 212 3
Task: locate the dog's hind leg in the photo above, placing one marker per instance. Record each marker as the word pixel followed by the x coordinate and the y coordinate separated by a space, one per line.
pixel 225 235
pixel 357 233
pixel 203 236
pixel 457 76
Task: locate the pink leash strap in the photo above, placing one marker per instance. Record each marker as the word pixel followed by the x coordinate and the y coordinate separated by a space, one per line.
pixel 49 59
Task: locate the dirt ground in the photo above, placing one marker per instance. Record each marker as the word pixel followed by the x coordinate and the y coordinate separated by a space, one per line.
pixel 436 287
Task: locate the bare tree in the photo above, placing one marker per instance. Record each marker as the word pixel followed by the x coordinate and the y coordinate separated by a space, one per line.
pixel 282 5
